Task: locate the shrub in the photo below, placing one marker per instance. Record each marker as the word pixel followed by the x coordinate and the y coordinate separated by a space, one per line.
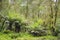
pixel 17 16
pixel 37 29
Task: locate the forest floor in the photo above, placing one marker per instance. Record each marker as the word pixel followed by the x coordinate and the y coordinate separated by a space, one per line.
pixel 16 36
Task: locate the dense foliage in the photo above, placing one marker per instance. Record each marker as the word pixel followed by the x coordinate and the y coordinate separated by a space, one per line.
pixel 30 19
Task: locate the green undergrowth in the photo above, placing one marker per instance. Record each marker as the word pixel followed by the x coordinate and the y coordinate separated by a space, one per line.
pixel 24 36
